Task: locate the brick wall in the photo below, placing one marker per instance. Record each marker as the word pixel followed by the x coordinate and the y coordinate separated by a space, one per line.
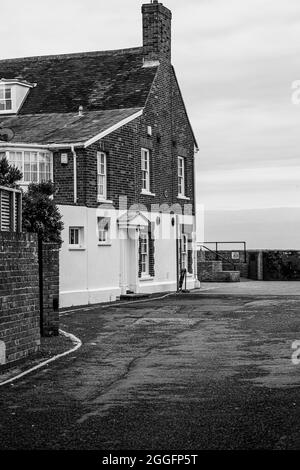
pixel 171 137
pixel 50 264
pixel 208 270
pixel 19 296
pixel 156 31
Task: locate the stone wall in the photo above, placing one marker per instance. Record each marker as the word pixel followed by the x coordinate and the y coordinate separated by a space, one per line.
pixel 19 296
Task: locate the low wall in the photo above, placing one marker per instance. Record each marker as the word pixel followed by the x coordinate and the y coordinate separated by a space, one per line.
pixel 281 265
pixel 19 296
pixel 207 270
pixel 261 265
pixel 50 286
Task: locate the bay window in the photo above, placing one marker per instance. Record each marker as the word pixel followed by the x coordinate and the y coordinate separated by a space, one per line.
pixel 35 166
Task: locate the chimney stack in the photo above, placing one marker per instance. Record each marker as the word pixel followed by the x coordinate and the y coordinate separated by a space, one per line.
pixel 156 32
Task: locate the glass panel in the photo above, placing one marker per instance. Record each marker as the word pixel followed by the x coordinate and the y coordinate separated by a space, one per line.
pixel 48 167
pixel 42 167
pixel 18 161
pixel 74 236
pixel 34 167
pixel 27 167
pixel 103 228
pixel 8 93
pixel 100 185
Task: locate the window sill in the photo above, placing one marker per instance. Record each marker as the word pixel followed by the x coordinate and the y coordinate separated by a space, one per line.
pixel 147 278
pixel 76 248
pixel 104 244
pixel 104 201
pixel 8 111
pixel 185 198
pixel 147 193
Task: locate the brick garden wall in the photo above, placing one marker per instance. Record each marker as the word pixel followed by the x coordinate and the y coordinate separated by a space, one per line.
pixel 19 296
pixel 50 253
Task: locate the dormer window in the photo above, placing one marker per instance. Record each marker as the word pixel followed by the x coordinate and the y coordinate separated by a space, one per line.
pixel 5 99
pixel 13 94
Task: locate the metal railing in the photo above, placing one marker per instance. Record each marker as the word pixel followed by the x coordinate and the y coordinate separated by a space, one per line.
pixel 10 209
pixel 217 250
pixel 218 256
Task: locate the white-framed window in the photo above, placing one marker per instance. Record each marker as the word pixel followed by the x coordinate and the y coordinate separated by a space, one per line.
pixel 181 176
pixel 103 230
pixel 145 165
pixel 76 237
pixel 35 166
pixel 101 176
pixel 184 251
pixel 5 99
pixel 144 253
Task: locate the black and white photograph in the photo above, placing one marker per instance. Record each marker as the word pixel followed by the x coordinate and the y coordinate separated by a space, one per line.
pixel 149 230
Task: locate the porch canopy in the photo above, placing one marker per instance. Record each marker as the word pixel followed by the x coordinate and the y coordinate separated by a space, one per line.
pixel 133 219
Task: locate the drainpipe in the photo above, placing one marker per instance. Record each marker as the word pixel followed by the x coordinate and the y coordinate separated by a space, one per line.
pixel 75 173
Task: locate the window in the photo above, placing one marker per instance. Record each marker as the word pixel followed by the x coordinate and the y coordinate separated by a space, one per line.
pixel 144 253
pixel 101 176
pixel 5 99
pixel 35 166
pixel 103 230
pixel 76 237
pixel 145 170
pixel 184 251
pixel 181 177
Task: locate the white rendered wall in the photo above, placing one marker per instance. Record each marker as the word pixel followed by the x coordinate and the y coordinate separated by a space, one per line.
pixel 93 274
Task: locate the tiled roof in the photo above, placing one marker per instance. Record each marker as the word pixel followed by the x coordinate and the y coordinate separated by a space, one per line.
pixel 95 80
pixel 63 128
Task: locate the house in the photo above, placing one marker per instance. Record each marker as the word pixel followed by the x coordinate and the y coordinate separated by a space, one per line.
pixel 112 131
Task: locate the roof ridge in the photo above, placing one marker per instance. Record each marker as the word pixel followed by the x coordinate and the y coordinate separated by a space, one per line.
pixel 131 50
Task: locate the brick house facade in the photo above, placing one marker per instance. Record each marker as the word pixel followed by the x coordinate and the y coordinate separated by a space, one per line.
pixel 121 151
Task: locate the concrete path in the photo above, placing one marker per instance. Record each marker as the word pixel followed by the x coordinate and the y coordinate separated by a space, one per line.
pixel 198 372
pixel 248 287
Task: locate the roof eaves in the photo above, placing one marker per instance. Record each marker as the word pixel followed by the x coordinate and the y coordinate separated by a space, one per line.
pixel 85 144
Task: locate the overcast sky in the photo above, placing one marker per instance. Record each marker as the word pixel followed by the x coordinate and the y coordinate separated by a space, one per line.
pixel 236 61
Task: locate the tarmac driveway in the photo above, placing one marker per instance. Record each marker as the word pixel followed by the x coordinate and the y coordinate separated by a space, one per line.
pixel 189 372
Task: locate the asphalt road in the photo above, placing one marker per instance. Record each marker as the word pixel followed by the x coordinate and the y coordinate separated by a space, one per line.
pixel 194 372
